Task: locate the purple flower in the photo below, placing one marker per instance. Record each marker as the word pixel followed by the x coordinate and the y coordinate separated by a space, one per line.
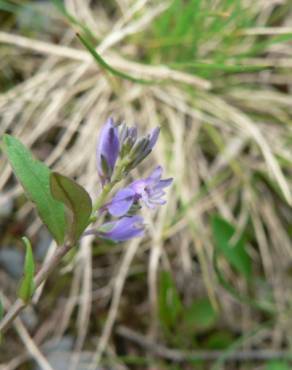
pixel 153 137
pixel 149 191
pixel 123 229
pixel 128 135
pixel 107 152
pixel 143 147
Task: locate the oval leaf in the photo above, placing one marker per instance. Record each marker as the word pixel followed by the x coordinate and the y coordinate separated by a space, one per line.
pixel 34 176
pixel 27 286
pixel 235 253
pixel 77 201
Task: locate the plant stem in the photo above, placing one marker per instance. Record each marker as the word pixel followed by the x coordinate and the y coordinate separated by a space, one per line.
pixel 41 276
pixel 117 176
pixel 46 269
pixel 102 197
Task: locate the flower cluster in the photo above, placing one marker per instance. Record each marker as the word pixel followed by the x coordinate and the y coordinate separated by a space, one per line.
pixel 119 150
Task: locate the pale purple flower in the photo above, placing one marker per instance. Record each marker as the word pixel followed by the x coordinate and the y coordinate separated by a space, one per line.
pixel 153 137
pixel 150 191
pixel 123 229
pixel 128 135
pixel 107 152
pixel 143 147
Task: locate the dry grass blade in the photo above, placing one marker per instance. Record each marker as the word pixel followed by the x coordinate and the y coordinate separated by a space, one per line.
pixel 225 138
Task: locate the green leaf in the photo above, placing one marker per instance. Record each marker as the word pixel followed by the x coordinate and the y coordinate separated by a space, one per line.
pixel 219 340
pixel 200 316
pixel 27 286
pixel 235 253
pixel 34 176
pixel 277 365
pixel 170 305
pixel 76 200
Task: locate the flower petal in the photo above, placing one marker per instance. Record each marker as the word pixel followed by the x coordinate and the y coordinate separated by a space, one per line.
pixel 138 186
pixel 164 183
pixel 155 176
pixel 153 137
pixel 124 229
pixel 121 202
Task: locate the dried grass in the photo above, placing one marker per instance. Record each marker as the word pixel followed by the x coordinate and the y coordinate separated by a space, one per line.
pixel 214 142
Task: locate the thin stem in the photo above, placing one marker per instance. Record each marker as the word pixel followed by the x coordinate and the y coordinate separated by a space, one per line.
pixel 117 176
pixel 102 197
pixel 41 276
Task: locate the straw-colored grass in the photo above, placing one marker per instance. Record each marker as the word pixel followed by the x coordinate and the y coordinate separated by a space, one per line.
pixel 226 139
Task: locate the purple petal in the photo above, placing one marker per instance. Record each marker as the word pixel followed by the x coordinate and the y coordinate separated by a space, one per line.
pixel 153 137
pixel 133 132
pixel 124 229
pixel 148 203
pixel 155 176
pixel 157 194
pixel 108 149
pixel 155 202
pixel 121 202
pixel 163 183
pixel 138 186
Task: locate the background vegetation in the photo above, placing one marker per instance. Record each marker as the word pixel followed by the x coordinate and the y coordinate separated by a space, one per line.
pixel 210 285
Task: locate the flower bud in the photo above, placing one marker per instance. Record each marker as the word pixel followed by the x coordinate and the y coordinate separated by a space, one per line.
pixel 107 152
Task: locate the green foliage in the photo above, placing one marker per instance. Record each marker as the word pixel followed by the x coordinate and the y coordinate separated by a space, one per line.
pixel 233 251
pixel 232 248
pixel 277 365
pixel 27 286
pixel 179 34
pixel 181 323
pixel 170 305
pixel 200 316
pixel 76 200
pixel 34 176
pixel 209 40
pixel 219 340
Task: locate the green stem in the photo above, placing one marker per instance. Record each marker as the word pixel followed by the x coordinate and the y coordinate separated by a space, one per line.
pixel 100 201
pixel 117 177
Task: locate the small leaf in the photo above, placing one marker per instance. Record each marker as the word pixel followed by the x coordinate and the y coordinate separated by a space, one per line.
pixel 170 305
pixel 34 176
pixel 235 253
pixel 27 286
pixel 77 201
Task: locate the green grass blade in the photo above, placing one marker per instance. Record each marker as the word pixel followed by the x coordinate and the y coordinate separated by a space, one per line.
pixel 101 62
